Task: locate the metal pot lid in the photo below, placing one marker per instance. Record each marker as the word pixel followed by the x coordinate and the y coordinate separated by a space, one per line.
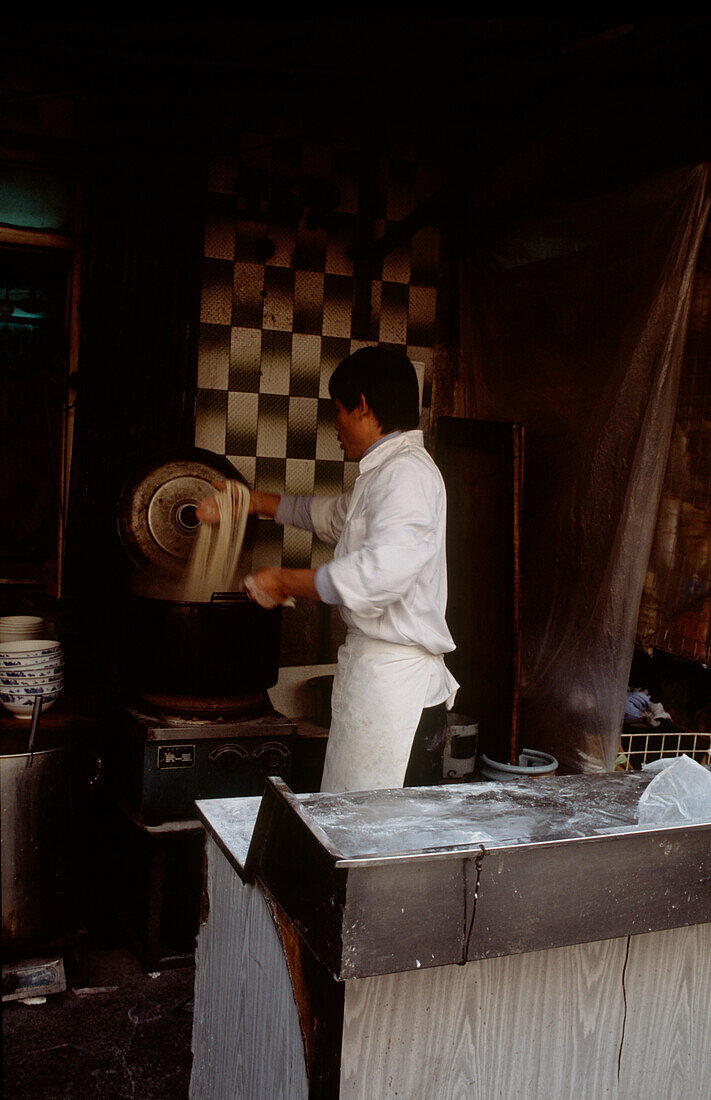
pixel 156 512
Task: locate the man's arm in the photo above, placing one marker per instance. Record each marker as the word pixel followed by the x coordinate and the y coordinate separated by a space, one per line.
pixel 323 515
pixel 264 504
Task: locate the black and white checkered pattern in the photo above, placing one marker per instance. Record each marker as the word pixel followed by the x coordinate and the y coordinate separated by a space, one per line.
pixel 277 308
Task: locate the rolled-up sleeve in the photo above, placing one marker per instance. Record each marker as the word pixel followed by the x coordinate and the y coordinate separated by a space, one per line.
pixel 328 593
pixel 328 515
pixel 294 511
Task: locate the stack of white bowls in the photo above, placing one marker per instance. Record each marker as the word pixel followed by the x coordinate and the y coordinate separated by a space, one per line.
pixel 27 669
pixel 19 628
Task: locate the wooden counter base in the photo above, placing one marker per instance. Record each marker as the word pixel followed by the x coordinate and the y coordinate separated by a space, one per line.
pixel 625 1019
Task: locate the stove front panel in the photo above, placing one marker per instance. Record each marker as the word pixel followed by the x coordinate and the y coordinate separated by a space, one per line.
pixel 163 767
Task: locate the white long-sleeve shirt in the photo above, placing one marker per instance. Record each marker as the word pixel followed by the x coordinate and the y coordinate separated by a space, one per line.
pixel 389 568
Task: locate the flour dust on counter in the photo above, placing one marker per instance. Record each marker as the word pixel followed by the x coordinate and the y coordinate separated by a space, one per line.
pixel 365 823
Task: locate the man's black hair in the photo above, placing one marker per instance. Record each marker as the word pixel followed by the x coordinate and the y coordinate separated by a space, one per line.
pixel 388 382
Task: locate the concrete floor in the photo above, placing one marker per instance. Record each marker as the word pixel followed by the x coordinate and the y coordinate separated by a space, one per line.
pixel 126 1036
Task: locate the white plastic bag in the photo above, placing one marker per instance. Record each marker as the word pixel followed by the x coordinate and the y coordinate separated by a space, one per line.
pixel 660 764
pixel 679 793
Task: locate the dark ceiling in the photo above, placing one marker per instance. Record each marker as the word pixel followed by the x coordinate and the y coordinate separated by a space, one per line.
pixel 572 101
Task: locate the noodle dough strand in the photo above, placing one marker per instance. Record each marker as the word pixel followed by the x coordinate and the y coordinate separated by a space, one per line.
pixel 215 558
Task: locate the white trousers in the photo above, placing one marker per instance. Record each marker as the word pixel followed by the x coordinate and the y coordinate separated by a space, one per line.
pixel 379 692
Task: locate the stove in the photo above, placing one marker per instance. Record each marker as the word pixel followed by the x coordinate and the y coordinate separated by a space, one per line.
pixel 165 761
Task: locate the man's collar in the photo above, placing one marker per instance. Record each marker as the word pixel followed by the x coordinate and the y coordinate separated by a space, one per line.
pixel 387 444
pixel 390 435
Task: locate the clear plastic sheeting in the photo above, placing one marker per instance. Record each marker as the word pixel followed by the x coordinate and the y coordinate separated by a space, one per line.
pixel 575 328
pixel 680 793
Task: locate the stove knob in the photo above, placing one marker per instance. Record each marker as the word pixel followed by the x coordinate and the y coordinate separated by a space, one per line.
pixel 229 757
pixel 271 756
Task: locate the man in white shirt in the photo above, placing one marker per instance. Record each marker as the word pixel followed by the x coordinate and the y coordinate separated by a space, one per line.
pixel 388 579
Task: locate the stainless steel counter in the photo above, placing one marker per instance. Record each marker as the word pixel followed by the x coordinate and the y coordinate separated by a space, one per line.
pixel 380 882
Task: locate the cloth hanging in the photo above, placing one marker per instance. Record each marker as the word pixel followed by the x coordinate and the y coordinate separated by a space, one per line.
pixel 574 326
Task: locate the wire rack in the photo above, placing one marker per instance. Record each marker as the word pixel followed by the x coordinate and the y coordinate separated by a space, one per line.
pixel 642 746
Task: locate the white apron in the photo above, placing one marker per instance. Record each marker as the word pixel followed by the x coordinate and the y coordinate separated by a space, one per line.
pixel 378 695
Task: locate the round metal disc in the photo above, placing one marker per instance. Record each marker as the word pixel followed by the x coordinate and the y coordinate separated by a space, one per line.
pixel 156 513
pixel 171 517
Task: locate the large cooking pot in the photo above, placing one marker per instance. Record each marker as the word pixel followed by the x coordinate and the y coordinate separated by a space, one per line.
pixel 203 655
pixel 42 799
pixel 209 655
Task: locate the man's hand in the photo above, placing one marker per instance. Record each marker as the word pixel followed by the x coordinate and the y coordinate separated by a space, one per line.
pixel 264 504
pixel 270 587
pixel 207 510
pixel 266 587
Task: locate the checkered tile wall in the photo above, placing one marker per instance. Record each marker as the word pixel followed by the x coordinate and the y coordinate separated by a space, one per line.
pixel 277 307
